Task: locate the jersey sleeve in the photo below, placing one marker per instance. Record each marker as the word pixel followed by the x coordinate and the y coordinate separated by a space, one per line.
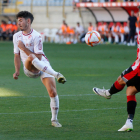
pixel 15 42
pixel 38 45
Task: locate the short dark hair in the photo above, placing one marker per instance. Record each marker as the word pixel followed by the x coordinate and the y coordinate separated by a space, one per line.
pixel 25 14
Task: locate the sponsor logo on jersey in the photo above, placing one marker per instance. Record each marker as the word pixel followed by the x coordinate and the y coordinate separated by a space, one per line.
pixel 29 45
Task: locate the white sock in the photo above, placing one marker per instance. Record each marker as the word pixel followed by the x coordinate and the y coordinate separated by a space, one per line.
pixel 128 121
pixel 40 65
pixel 54 105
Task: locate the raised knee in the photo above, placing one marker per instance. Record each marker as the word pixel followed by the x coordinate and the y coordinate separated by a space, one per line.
pixel 120 80
pixel 31 57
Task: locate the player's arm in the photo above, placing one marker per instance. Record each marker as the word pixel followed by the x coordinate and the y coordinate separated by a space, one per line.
pixel 17 63
pixel 27 51
pixel 17 60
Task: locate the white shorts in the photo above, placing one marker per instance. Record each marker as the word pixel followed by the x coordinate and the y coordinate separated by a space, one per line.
pixel 40 74
pixel 31 74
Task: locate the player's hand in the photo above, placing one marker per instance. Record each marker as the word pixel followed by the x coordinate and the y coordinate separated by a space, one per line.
pixel 15 75
pixel 21 45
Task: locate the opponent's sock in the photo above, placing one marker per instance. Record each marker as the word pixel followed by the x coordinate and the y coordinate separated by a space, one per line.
pixel 40 65
pixel 128 121
pixel 116 87
pixel 131 106
pixel 54 105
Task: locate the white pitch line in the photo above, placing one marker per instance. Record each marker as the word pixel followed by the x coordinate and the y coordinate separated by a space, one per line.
pixel 60 111
pixel 48 96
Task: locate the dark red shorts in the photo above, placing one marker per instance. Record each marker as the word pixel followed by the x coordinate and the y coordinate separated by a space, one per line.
pixel 131 77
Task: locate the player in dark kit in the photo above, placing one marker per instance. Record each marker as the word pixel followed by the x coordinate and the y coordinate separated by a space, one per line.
pixel 131 78
pixel 132 20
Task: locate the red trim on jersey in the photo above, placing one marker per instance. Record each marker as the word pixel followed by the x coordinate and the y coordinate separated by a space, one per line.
pixel 118 86
pixel 28 33
pixel 45 57
pixel 131 74
pixel 131 98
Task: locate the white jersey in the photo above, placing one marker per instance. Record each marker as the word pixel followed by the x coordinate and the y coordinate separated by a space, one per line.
pixel 32 41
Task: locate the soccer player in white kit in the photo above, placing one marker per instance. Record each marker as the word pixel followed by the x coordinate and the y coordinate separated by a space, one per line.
pixel 28 46
pixel 131 78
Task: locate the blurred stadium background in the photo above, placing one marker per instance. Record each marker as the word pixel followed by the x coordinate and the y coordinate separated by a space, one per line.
pixel 50 14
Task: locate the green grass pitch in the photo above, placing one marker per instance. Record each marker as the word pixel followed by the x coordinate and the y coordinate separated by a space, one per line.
pixel 24 104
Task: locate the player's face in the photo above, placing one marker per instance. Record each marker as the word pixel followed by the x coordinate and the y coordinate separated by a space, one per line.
pixel 23 24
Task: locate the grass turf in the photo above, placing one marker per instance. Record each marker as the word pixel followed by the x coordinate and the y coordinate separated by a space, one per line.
pixel 24 104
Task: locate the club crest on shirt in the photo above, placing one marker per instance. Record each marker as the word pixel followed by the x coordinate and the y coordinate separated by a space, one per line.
pixel 29 36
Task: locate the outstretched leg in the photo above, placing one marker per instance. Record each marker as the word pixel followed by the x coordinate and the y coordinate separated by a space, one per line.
pixel 116 87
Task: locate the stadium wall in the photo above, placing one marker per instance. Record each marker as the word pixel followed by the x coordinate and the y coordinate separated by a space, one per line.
pixel 55 16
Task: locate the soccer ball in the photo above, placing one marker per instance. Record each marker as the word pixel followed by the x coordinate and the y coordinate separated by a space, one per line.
pixel 92 38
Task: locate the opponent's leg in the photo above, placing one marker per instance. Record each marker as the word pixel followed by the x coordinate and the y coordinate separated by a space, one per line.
pixel 42 66
pixel 54 100
pixel 131 106
pixel 116 87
